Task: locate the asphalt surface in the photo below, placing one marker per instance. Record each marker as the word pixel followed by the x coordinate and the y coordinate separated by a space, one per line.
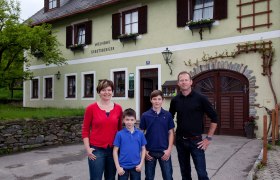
pixel 228 158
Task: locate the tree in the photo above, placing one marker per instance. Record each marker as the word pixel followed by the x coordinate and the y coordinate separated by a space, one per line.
pixel 21 41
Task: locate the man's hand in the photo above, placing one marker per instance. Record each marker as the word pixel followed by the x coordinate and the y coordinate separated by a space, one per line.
pixel 148 157
pixel 166 155
pixel 203 144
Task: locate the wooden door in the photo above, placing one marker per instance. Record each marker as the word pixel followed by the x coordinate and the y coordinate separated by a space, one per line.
pixel 228 93
pixel 148 83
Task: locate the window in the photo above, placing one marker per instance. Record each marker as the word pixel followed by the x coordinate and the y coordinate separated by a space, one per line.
pixel 88 85
pixel 119 83
pixel 35 88
pixel 200 9
pixel 130 25
pixel 51 4
pixel 79 34
pixel 71 86
pixel 129 22
pixel 48 88
pixel 203 9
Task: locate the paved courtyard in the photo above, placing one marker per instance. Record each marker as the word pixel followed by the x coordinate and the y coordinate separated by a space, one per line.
pixel 228 158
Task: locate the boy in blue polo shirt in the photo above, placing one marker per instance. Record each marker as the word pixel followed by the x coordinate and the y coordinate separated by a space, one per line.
pixel 159 126
pixel 131 143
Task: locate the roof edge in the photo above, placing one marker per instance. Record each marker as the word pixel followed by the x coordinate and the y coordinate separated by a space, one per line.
pixel 78 12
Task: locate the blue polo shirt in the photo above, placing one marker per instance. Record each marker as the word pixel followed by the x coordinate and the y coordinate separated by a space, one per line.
pixel 157 128
pixel 130 147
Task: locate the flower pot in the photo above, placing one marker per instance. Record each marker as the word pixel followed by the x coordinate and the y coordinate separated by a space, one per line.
pixel 249 130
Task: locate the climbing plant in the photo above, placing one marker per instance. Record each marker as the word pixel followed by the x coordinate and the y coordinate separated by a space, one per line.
pixel 264 48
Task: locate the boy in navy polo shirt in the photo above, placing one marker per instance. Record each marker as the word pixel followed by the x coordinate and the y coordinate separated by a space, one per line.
pixel 131 143
pixel 159 126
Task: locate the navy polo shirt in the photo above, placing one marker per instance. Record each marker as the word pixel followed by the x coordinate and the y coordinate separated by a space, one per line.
pixel 130 147
pixel 157 128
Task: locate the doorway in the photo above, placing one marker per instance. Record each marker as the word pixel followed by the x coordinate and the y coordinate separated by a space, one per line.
pixel 228 92
pixel 148 83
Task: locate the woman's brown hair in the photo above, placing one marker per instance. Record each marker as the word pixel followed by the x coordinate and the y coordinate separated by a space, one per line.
pixel 104 83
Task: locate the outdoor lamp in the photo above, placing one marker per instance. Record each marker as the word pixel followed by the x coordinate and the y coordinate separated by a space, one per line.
pixel 58 75
pixel 167 58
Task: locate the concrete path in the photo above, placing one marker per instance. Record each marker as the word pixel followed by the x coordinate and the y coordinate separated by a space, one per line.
pixel 228 158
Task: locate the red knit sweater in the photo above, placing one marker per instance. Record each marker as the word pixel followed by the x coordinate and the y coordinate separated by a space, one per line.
pixel 99 128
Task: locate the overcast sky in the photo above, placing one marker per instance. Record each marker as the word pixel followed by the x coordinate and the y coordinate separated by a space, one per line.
pixel 30 7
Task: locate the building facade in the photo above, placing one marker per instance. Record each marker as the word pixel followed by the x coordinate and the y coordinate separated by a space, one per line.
pixel 231 48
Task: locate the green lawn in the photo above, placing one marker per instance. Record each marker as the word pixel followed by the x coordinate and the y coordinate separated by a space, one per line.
pixel 12 112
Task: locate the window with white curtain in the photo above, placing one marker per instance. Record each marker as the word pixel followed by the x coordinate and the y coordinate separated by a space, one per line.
pixel 131 22
pixel 203 9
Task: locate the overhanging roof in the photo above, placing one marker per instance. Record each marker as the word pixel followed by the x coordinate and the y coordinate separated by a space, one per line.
pixel 70 8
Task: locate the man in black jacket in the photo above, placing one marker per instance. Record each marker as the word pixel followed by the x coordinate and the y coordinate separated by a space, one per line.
pixel 190 107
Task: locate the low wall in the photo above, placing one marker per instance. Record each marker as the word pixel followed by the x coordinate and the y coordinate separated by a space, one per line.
pixel 28 134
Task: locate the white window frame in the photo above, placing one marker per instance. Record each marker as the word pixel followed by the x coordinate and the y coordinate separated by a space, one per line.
pixel 66 86
pixel 131 23
pixel 203 11
pixel 127 9
pixel 31 89
pixel 126 82
pixel 82 85
pixel 44 87
pixel 53 3
pixel 137 84
pixel 73 24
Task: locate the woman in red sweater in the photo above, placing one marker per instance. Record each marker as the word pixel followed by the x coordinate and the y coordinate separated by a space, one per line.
pixel 102 120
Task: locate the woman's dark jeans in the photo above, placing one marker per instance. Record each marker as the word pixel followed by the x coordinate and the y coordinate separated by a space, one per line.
pixel 166 166
pixel 185 148
pixel 131 174
pixel 104 162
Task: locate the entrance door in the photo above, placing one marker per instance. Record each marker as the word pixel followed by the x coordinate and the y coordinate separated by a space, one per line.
pixel 228 92
pixel 148 83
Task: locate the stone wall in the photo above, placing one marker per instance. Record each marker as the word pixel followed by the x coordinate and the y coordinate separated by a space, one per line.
pixel 28 134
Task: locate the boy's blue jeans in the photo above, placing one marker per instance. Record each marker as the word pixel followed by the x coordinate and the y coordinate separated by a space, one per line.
pixel 131 174
pixel 104 163
pixel 166 166
pixel 185 148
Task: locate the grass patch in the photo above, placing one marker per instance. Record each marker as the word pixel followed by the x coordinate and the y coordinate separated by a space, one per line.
pixel 260 166
pixel 12 112
pixel 269 147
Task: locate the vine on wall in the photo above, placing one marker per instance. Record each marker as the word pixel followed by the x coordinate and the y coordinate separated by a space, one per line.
pixel 263 47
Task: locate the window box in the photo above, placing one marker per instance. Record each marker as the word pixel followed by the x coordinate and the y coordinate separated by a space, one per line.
pixel 77 47
pixel 203 23
pixel 128 37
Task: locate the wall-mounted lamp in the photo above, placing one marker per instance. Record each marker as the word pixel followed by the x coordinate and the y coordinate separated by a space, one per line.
pixel 167 58
pixel 58 75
